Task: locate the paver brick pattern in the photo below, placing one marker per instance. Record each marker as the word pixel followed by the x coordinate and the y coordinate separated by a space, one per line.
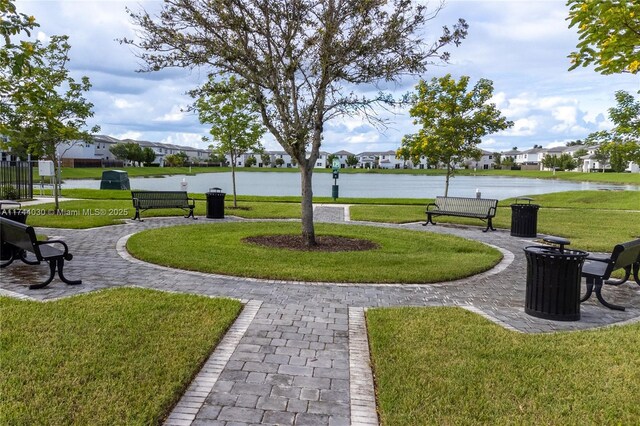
pixel 292 364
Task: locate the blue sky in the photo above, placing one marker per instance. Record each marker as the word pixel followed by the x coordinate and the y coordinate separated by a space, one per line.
pixel 521 45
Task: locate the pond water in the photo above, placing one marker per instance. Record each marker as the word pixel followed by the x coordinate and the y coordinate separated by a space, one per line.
pixel 360 185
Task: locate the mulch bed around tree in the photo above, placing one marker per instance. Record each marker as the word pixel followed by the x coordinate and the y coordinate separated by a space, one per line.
pixel 328 243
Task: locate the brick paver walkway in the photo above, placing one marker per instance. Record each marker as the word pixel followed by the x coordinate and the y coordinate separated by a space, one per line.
pixel 300 356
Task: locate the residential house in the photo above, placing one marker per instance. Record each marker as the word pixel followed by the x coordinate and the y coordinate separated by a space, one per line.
pixel 342 156
pixel 379 159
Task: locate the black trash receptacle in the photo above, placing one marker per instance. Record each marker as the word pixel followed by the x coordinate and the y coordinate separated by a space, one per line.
pixel 553 282
pixel 12 213
pixel 215 203
pixel 524 219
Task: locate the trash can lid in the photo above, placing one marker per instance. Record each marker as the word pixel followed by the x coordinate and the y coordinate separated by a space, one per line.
pixel 555 252
pixel 215 189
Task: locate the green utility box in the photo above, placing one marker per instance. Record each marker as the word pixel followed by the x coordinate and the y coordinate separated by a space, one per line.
pixel 115 179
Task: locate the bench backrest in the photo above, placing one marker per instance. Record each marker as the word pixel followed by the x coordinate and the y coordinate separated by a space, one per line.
pixel 480 206
pixel 151 199
pixel 626 254
pixel 19 235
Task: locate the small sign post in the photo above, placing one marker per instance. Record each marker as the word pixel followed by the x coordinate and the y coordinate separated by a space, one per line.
pixel 335 164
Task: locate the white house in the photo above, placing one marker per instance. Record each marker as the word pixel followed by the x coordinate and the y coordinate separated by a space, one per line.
pixel 342 156
pixel 379 159
pixel 486 161
pixel 531 156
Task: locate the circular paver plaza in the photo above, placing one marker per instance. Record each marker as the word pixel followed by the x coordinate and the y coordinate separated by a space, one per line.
pixel 298 354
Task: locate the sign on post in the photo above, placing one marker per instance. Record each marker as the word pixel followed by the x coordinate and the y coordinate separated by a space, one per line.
pixel 45 168
pixel 335 164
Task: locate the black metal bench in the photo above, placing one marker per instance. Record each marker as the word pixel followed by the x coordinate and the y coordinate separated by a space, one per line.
pixel 145 200
pixel 597 269
pixel 23 238
pixel 479 208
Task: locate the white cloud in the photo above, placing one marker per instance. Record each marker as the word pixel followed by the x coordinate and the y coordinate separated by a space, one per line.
pixel 522 127
pixel 185 139
pixel 129 135
pixel 176 114
pixel 521 45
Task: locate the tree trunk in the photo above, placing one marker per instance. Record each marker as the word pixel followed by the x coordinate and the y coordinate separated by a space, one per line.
pixel 308 233
pixel 446 185
pixel 233 181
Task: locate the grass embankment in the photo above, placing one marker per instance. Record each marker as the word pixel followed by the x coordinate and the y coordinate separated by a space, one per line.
pixel 592 220
pixel 449 366
pixel 218 248
pixel 122 356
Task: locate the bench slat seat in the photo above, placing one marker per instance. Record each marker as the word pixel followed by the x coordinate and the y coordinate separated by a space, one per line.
pixel 145 200
pixel 479 208
pixel 597 270
pixel 23 238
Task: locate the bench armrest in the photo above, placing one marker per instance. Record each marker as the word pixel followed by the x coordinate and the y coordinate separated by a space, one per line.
pixel 599 258
pixel 66 248
pixel 491 209
pixel 193 200
pixel 432 204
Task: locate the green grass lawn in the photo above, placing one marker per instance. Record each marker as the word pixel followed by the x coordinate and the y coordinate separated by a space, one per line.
pixel 592 220
pixel 90 213
pixel 121 356
pixel 447 366
pixel 408 257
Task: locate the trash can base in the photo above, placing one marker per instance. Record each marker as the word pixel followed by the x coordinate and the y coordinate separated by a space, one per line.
pixel 554 317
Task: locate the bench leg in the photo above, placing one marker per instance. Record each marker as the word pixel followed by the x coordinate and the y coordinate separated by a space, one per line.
pixel 62 277
pixel 19 254
pixel 429 220
pixel 137 216
pixel 52 273
pixel 604 302
pixel 589 290
pixel 627 274
pixel 597 283
pixel 190 215
pixel 489 226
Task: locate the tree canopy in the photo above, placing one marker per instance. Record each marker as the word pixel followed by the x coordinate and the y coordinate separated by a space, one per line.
pixel 300 59
pixel 609 33
pixel 453 121
pixel 15 56
pixel 46 108
pixel 621 144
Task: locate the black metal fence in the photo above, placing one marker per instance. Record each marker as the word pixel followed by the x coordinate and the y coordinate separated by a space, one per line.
pixel 16 180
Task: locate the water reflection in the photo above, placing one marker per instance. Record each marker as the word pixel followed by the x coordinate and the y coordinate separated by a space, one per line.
pixel 361 185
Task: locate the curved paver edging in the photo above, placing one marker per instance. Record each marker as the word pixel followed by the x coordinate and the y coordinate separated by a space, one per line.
pixel 507 259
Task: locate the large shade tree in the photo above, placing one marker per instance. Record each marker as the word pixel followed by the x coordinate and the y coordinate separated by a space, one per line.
pixel 453 121
pixel 46 111
pixel 301 59
pixel 609 32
